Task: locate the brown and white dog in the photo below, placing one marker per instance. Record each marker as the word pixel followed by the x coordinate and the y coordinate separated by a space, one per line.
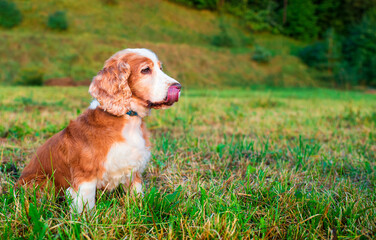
pixel 108 144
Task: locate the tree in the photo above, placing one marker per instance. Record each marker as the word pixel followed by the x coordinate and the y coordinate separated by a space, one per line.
pixel 359 51
pixel 10 16
pixel 58 21
pixel 327 12
pixel 340 14
pixel 300 19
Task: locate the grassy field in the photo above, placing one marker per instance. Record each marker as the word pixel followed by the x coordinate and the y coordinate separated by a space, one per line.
pixel 261 163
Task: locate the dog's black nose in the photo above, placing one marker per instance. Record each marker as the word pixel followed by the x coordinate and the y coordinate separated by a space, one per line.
pixel 177 85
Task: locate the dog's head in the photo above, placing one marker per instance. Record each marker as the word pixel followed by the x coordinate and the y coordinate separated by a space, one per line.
pixel 132 78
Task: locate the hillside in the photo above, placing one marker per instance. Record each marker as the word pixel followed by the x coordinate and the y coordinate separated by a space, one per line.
pixel 180 36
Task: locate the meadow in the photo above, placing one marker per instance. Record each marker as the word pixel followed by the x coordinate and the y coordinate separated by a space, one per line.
pixel 260 163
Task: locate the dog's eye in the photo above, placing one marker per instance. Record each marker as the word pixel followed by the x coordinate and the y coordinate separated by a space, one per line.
pixel 146 70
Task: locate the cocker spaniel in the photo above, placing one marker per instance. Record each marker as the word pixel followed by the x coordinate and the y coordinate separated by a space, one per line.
pixel 108 144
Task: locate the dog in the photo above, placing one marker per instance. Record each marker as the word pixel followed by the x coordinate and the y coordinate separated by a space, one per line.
pixel 108 144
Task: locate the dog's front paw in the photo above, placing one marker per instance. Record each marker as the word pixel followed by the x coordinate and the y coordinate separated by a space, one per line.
pixel 137 189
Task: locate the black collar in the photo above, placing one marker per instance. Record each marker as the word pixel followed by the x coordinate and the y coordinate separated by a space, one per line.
pixel 132 113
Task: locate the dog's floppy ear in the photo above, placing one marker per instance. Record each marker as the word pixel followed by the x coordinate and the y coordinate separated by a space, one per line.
pixel 110 87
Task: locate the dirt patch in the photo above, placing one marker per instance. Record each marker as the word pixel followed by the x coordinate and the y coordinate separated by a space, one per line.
pixel 66 82
pixel 370 91
pixel 85 82
pixel 30 108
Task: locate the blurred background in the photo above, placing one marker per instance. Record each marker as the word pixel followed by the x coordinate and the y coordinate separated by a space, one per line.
pixel 212 43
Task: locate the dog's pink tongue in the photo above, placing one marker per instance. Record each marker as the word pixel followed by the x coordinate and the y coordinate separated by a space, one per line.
pixel 173 94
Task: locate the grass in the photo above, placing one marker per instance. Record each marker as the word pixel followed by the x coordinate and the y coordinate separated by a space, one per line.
pixel 251 163
pixel 181 37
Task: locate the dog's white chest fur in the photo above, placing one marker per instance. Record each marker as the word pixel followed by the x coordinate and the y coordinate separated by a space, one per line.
pixel 125 158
